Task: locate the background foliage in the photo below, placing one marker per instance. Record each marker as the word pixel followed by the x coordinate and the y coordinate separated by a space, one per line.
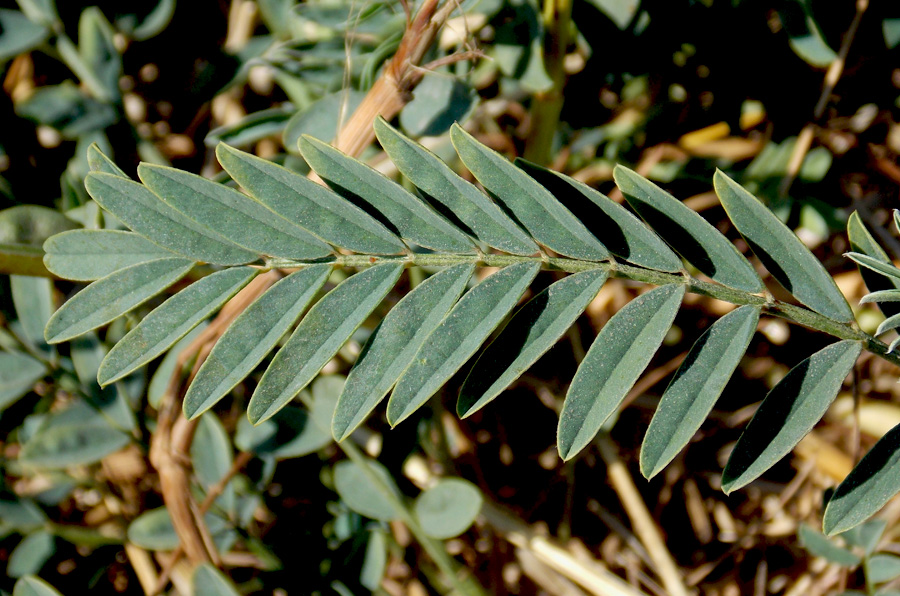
pixel 673 90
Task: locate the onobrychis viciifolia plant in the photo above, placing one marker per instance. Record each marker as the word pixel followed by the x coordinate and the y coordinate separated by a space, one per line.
pixel 363 230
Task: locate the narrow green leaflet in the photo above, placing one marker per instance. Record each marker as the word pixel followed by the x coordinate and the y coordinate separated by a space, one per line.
pixel 86 255
pixel 310 205
pixel 614 362
pixel 356 490
pixel 881 296
pixel 469 205
pixel 18 374
pixel 150 216
pixel 251 336
pixel 209 581
pixel 693 392
pixel 406 214
pixel 690 235
pixel 30 554
pixel 458 336
pixel 170 321
pixel 884 268
pixel 789 412
pixel 113 296
pixel 319 336
pixel 868 487
pixel 623 234
pixel 545 218
pixel 34 586
pixel 58 447
pixel 212 458
pixel 783 254
pixel 392 347
pixel 532 331
pixel 820 546
pixel 448 508
pixel 98 162
pixel 33 300
pixel 232 215
pixel 861 241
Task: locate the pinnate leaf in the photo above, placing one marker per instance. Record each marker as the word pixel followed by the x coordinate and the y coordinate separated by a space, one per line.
pixel 251 336
pixel 545 218
pixel 614 362
pixel 394 344
pixel 532 331
pixel 868 487
pixel 694 238
pixel 113 296
pixel 150 216
pixel 170 321
pixel 319 336
pixel 406 214
pixel 458 336
pixel 310 205
pixel 783 254
pixel 236 217
pixel 468 204
pixel 86 255
pixel 693 392
pixel 789 412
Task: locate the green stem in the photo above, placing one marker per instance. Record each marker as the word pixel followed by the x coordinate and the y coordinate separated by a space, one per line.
pixel 435 550
pixel 547 105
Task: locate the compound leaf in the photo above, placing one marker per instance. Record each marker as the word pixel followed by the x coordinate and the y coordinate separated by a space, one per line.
pixel 779 249
pixel 545 218
pixel 469 205
pixel 170 321
pixel 623 234
pixel 871 484
pixel 113 296
pixel 86 255
pixel 458 336
pixel 614 362
pixel 236 217
pixel 251 336
pixel 394 344
pixel 532 331
pixel 319 336
pixel 311 205
pixel 690 235
pixel 693 392
pixel 789 412
pixel 150 216
pixel 404 213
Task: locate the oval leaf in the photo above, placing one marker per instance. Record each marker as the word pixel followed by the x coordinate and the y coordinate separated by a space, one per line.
pixel 251 336
pixel 150 216
pixel 545 218
pixel 33 586
pixel 86 255
pixel 694 238
pixel 868 487
pixel 614 362
pixel 170 321
pixel 532 331
pixel 783 254
pixel 233 216
pixel 484 219
pixel 18 374
pixel 30 554
pixel 458 336
pixel 693 392
pixel 356 490
pixel 820 546
pixel 448 508
pixel 404 213
pixel 789 412
pixel 882 568
pixel 319 336
pixel 209 581
pixel 72 445
pixel 310 205
pixel 394 344
pixel 624 235
pixel 113 296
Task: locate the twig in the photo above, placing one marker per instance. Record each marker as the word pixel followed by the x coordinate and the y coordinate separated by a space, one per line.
pixel 641 521
pixel 832 76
